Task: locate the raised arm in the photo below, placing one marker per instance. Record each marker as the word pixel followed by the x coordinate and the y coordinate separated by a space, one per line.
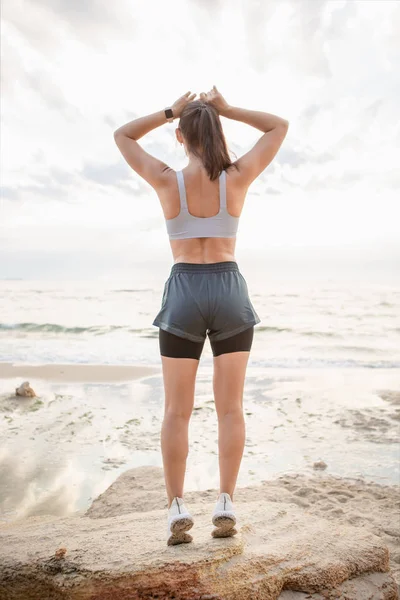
pixel 147 166
pixel 253 163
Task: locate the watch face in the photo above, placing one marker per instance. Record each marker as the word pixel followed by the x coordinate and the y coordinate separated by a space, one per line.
pixel 168 113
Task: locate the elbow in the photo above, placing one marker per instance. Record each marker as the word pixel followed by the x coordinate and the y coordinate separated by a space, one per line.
pixel 283 128
pixel 118 136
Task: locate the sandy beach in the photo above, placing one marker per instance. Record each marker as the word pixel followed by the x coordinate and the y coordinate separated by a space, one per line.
pixel 75 373
pixel 89 424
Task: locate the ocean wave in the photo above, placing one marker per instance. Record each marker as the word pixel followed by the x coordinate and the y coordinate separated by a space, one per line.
pixel 340 348
pixel 272 329
pixel 55 328
pixel 132 291
pixel 329 334
pixel 105 329
pixel 315 363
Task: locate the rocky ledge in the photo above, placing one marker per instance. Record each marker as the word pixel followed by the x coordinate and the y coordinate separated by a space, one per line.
pixel 117 551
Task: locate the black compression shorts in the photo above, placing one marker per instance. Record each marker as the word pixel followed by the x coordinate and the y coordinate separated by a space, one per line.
pixel 178 347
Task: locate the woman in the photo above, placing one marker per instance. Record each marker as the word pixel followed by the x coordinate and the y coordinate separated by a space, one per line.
pixel 205 292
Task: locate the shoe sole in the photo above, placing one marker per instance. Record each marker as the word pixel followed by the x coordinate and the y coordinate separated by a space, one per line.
pixel 178 531
pixel 225 525
pixel 181 524
pixel 224 519
pixel 223 533
pixel 180 538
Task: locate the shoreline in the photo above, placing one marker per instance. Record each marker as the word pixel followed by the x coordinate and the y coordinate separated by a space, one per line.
pixel 74 437
pixel 81 373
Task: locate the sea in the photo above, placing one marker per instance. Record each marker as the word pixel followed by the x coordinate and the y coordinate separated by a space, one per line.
pixel 324 322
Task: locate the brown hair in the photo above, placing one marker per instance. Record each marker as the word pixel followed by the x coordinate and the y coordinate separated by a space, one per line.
pixel 202 129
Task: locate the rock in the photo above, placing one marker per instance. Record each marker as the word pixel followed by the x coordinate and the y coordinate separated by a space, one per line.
pixel 373 586
pixel 280 552
pixel 25 390
pixel 371 506
pixel 134 491
pixel 320 464
pixel 60 553
pixel 391 396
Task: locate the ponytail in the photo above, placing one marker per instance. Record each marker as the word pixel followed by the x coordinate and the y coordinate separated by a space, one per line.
pixel 202 129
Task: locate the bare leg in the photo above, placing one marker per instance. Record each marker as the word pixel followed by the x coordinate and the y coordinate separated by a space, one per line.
pixel 175 448
pixel 179 384
pixel 231 439
pixel 228 383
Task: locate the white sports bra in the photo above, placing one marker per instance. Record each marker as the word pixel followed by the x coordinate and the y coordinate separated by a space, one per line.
pixel 186 226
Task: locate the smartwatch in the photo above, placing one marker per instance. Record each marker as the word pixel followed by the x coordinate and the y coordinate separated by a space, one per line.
pixel 169 115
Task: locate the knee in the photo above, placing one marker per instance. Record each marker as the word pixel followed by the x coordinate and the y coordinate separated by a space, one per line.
pixel 177 415
pixel 231 412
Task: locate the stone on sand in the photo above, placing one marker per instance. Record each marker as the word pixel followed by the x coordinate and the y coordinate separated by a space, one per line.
pixel 25 390
pixel 320 465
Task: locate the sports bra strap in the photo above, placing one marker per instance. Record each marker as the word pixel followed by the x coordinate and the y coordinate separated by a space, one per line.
pixel 222 189
pixel 182 191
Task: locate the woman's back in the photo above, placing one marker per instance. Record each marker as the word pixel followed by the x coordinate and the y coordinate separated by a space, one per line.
pixel 206 204
pixel 203 202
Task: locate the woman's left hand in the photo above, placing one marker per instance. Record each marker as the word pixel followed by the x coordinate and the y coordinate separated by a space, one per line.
pixel 180 104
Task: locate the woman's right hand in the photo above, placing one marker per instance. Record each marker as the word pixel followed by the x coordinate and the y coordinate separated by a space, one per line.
pixel 215 98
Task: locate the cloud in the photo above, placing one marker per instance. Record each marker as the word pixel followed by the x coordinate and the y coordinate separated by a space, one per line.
pixel 209 6
pixel 255 18
pixel 340 14
pixel 107 174
pixel 287 32
pixel 112 121
pixel 46 25
pixel 288 156
pixel 61 176
pixel 88 12
pixel 8 192
pixel 303 157
pixel 273 191
pixel 50 93
pixel 319 181
pixel 48 189
pixel 311 111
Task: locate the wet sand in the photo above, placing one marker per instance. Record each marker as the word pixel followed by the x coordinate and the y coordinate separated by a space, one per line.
pixel 76 373
pixel 88 424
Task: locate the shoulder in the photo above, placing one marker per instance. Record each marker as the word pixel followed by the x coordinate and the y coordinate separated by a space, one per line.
pixel 235 177
pixel 167 184
pixel 166 179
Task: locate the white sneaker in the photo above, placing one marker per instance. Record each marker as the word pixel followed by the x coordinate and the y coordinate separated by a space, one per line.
pixel 179 521
pixel 224 517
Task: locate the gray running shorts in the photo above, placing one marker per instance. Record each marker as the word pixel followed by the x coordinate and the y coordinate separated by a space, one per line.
pixel 201 299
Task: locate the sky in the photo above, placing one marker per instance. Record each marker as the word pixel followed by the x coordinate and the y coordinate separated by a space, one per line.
pixel 72 72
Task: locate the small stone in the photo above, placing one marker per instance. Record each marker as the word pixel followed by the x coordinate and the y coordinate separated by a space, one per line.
pixel 25 390
pixel 60 553
pixel 320 464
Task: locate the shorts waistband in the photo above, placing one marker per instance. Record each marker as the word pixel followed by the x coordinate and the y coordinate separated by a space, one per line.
pixel 228 265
